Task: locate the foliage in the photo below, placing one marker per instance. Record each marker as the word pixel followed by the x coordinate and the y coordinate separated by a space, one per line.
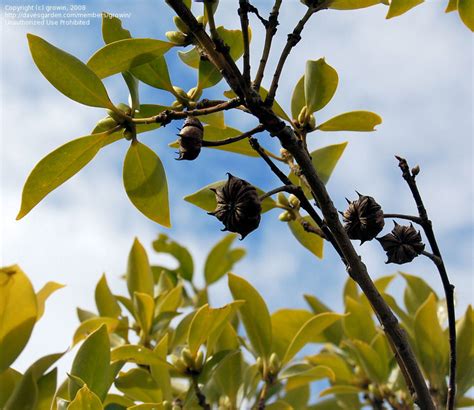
pixel 164 344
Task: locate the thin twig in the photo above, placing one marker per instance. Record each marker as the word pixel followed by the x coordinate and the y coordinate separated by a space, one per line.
pixel 412 218
pixel 200 395
pixel 210 17
pixel 244 23
pixel 293 40
pixel 270 33
pixel 426 224
pixel 231 140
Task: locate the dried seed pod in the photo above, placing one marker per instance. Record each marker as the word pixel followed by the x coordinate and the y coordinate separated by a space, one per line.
pixel 363 218
pixel 190 139
pixel 402 245
pixel 238 206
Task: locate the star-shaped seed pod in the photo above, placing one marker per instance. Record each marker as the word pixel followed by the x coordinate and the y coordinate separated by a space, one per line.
pixel 363 219
pixel 238 206
pixel 190 139
pixel 403 244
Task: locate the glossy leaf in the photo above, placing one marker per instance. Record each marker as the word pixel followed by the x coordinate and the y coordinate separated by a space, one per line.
pixel 206 199
pixel 85 400
pixel 145 182
pixel 155 74
pixel 399 7
pixel 279 405
pixel 298 99
pixel 229 375
pixel 301 374
pixel 137 354
pixel 222 258
pixel 146 111
pixel 126 54
pixel 431 342
pixel 352 121
pixel 91 325
pixel 215 119
pixel 320 83
pixel 352 4
pixel 43 294
pixel 358 324
pixel 375 367
pixel 46 390
pixel 243 147
pixel 139 385
pixel 139 275
pixel 342 371
pixel 452 6
pixel 416 292
pixel 144 306
pixel 340 389
pixel 465 351
pixel 159 371
pixel 92 364
pixel 164 244
pixel 112 29
pixel 466 12
pixel 8 380
pixel 105 301
pixel 308 331
pixel 314 243
pixel 332 333
pixel 68 74
pixel 56 168
pixel 190 58
pixel 254 314
pixel 18 313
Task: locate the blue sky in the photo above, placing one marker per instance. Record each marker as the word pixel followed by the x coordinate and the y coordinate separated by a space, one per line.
pixel 415 71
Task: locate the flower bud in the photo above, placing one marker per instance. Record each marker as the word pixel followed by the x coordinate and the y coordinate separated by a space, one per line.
pixel 167 405
pixel 117 117
pixel 402 245
pixel 187 358
pixel 363 219
pixel 294 201
pixel 190 139
pixel 178 364
pixel 180 25
pixel 180 94
pixel 198 362
pixel 260 365
pixel 415 170
pixel 194 93
pixel 200 19
pixel 274 364
pixel 303 116
pixel 286 216
pixel 238 206
pixel 106 124
pixel 282 200
pixel 176 37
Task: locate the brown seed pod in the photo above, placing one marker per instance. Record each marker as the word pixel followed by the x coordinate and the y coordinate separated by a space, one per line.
pixel 238 206
pixel 190 139
pixel 363 219
pixel 402 245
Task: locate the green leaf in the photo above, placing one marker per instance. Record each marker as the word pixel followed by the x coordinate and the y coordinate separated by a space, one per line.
pixel 342 371
pixel 466 12
pixel 68 74
pixel 228 376
pixel 465 351
pixel 358 324
pixel 144 306
pixel 243 147
pixel 126 54
pixel 160 372
pixel 145 182
pixel 416 292
pixel 139 385
pixel 222 258
pixel 320 83
pixel 147 406
pixel 46 390
pixel 18 313
pixel 254 314
pixel 308 331
pixel 399 7
pixel 190 58
pixel 155 74
pixel 208 320
pixel 206 199
pixel 164 244
pixel 302 374
pixel 340 389
pixel 215 119
pixel 431 342
pixel 279 405
pixel 56 168
pixel 137 354
pixel 112 29
pixel 332 333
pixel 85 400
pixel 139 275
pixel 298 398
pixel 352 121
pixel 92 364
pixel 374 366
pixel 464 402
pixel 91 325
pixel 298 99
pixel 452 6
pixel 146 111
pixel 314 243
pixel 44 293
pixel 170 301
pixel 105 301
pixel 352 4
pixel 8 380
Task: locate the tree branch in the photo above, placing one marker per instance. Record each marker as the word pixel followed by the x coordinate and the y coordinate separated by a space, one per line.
pixel 231 140
pixel 199 394
pixel 244 23
pixel 426 224
pixel 412 218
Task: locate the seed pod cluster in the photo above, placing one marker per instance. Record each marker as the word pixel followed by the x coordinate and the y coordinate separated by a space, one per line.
pixel 403 244
pixel 238 206
pixel 363 219
pixel 190 139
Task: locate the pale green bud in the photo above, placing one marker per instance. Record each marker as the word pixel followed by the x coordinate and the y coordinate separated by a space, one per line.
pixel 294 201
pixel 282 200
pixel 176 37
pixel 286 216
pixel 181 25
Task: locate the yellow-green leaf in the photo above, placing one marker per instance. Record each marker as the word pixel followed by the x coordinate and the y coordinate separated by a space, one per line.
pixel 374 366
pixel 320 83
pixel 139 385
pixel 215 119
pixel 56 168
pixel 452 6
pixel 466 12
pixel 254 314
pixel 332 333
pixel 340 389
pixel 18 313
pixel 112 29
pixel 191 57
pixel 298 100
pixel 306 375
pixel 164 244
pixel 137 354
pixel 139 275
pixel 46 390
pixel 8 380
pixel 105 301
pixel 44 293
pixel 314 243
pixel 352 4
pixel 144 306
pixel 308 331
pixel 155 74
pixel 343 373
pixel 85 400
pixel 126 54
pixel 92 364
pixel 416 292
pixel 358 324
pixel 91 325
pixel 228 376
pixel 399 7
pixel 352 121
pixel 159 371
pixel 243 147
pixel 145 182
pixel 465 351
pixel 221 259
pixel 68 74
pixel 206 199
